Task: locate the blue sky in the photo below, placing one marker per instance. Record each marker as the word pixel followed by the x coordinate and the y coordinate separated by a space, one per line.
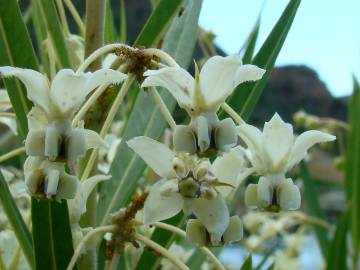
pixel 325 34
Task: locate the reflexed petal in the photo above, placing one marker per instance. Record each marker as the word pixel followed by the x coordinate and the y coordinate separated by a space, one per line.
pixel 77 206
pixel 213 213
pixel 37 85
pixel 252 138
pixel 67 187
pixel 184 139
pixel 176 80
pixel 234 231
pixel 157 155
pixel 225 134
pixel 35 143
pixel 93 139
pixel 278 139
pixel 227 168
pixel 304 141
pixel 248 73
pixel 289 195
pixel 69 90
pixel 251 200
pixel 264 192
pixel 159 207
pixel 196 232
pixel 217 78
pixel 37 118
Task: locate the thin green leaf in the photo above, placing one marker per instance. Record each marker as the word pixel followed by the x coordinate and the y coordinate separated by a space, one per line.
pixel 352 183
pixel 146 119
pixel 149 260
pixel 49 13
pixel 250 43
pixel 16 50
pixel 247 265
pixel 51 234
pixel 246 95
pixel 110 32
pixel 17 222
pixel 123 28
pixel 338 248
pixel 311 197
pixel 156 25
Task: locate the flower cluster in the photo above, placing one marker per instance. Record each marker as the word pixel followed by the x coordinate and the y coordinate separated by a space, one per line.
pixel 190 182
pixel 51 140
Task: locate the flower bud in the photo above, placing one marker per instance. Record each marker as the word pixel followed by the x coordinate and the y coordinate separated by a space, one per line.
pixel 35 143
pixel 196 232
pixel 225 135
pixel 189 188
pixel 234 231
pixel 184 139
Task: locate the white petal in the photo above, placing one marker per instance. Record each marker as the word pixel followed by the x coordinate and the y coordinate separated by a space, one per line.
pixel 69 90
pixel 176 80
pixel 158 206
pixel 93 139
pixel 37 118
pixel 304 141
pixel 278 139
pixel 248 73
pixel 227 167
pixel 289 195
pixel 157 155
pixel 37 85
pixel 213 213
pixel 11 123
pixel 217 78
pixel 196 232
pixel 264 192
pixel 32 163
pixel 77 206
pixel 251 200
pixel 252 137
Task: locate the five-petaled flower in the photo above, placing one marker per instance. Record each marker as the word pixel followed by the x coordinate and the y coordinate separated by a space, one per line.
pixel 272 153
pixel 187 184
pixel 201 97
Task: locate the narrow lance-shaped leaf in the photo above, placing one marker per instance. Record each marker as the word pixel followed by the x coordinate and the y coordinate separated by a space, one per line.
pixel 312 201
pixel 17 222
pixel 246 95
pixel 123 24
pixel 110 32
pixel 337 255
pixel 247 265
pixel 352 183
pixel 16 50
pixel 250 43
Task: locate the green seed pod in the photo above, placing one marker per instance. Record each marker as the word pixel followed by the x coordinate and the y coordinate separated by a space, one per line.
pixel 225 135
pixel 189 188
pixel 184 139
pixel 196 232
pixel 234 231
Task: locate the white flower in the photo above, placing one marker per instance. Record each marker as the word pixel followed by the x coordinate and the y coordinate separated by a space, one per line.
pixel 5 105
pixel 272 153
pixel 201 97
pixel 187 183
pixel 46 179
pixel 50 128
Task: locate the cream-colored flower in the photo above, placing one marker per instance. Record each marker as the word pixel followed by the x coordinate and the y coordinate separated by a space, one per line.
pixel 51 134
pixel 46 179
pixel 201 97
pixel 272 153
pixel 187 183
